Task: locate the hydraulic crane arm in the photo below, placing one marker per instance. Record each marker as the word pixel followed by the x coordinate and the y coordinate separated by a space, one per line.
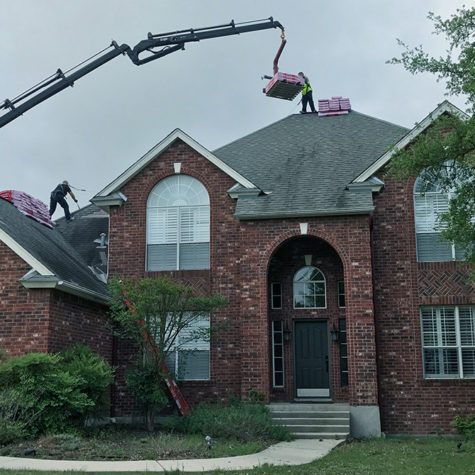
pixel 156 46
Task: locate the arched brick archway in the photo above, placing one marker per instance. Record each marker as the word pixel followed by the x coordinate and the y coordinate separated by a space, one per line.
pixel 350 238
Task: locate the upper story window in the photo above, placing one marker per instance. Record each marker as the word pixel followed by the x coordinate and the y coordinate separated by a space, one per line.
pixel 448 341
pixel 429 204
pixel 178 225
pixel 309 288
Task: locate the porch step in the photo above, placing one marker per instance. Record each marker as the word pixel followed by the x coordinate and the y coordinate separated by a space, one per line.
pixel 313 421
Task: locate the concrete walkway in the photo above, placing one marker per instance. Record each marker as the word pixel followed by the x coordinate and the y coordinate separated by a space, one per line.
pixel 298 452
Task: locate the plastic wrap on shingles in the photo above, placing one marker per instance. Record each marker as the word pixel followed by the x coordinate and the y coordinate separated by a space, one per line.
pixel 28 205
pixel 335 106
pixel 283 86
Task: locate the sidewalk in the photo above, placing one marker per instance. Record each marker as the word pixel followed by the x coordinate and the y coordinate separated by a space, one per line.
pixel 298 452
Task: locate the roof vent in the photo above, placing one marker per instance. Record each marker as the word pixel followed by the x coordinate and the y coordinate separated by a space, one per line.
pixel 334 106
pixel 29 206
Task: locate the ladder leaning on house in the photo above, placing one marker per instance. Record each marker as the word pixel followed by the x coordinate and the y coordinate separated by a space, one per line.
pixel 175 392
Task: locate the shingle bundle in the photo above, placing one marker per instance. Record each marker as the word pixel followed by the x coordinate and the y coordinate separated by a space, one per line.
pixel 283 86
pixel 29 206
pixel 334 106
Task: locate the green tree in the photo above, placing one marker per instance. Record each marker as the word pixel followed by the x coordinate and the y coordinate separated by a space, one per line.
pixel 153 312
pixel 445 154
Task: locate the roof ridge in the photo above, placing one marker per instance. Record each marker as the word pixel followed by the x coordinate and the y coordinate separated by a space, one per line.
pixel 252 133
pixel 381 120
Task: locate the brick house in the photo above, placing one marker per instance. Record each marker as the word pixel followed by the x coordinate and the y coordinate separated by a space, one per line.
pixel 339 287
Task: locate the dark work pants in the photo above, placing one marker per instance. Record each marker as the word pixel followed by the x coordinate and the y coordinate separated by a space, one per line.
pixel 308 99
pixel 54 200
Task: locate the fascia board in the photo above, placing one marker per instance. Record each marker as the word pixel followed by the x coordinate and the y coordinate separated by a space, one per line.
pixel 21 252
pixel 66 287
pixel 309 214
pixel 159 148
pixel 409 137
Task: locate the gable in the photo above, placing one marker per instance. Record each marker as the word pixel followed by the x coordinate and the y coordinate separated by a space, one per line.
pixel 155 152
pixel 443 108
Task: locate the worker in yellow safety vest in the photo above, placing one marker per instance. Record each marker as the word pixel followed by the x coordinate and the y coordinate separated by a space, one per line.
pixel 307 96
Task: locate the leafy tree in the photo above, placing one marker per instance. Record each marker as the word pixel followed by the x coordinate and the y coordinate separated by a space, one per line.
pixel 445 153
pixel 153 312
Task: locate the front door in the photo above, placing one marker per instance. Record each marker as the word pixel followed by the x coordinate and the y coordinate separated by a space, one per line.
pixel 311 359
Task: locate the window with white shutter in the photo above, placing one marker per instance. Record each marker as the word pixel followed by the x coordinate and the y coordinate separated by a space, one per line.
pixel 189 360
pixel 429 205
pixel 178 221
pixel 448 340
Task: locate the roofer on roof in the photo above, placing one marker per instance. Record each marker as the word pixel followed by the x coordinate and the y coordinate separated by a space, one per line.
pixel 58 195
pixel 307 96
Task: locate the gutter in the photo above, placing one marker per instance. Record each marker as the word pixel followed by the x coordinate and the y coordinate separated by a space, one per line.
pixel 306 214
pixel 52 282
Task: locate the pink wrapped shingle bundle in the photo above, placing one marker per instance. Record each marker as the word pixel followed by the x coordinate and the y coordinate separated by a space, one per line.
pixel 29 206
pixel 283 86
pixel 335 106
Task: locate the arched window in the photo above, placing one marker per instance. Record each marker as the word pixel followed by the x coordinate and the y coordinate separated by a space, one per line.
pixel 178 225
pixel 309 288
pixel 430 202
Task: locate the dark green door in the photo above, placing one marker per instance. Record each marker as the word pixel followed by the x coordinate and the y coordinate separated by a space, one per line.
pixel 311 359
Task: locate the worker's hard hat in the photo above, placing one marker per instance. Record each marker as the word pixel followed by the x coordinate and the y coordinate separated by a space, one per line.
pixel 65 182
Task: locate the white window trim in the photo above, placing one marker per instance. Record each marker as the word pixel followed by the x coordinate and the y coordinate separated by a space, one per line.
pixel 435 231
pixel 458 345
pixel 176 351
pixel 325 294
pixel 273 355
pixel 340 293
pixel 272 295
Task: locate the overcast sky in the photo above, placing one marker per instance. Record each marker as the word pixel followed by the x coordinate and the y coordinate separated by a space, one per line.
pixel 89 134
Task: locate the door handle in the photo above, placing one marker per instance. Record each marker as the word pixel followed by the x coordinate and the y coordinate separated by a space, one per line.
pixel 326 363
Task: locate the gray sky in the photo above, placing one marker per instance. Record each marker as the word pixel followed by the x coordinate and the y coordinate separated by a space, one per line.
pixel 90 133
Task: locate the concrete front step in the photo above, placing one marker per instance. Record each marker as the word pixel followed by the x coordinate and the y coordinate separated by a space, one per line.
pixel 343 421
pixel 310 414
pixel 313 421
pixel 319 435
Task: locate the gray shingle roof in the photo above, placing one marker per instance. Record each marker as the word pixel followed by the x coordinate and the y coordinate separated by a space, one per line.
pixel 306 162
pixel 49 247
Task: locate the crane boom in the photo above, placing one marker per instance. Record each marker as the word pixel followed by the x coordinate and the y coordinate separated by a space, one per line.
pixel 154 47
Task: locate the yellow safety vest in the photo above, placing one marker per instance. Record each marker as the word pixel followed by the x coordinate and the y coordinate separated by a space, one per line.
pixel 306 88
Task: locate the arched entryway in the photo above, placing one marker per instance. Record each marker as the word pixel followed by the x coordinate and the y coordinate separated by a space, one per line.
pixel 307 322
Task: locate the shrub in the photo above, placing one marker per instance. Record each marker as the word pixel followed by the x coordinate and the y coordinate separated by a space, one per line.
pixel 44 389
pixel 465 425
pixel 242 421
pixel 49 393
pixel 94 372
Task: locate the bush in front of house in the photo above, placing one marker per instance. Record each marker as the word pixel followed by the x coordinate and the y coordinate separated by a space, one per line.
pixel 465 425
pixel 241 421
pixel 45 393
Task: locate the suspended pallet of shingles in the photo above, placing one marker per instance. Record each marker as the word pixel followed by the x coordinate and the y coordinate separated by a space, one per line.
pixel 282 85
pixel 29 206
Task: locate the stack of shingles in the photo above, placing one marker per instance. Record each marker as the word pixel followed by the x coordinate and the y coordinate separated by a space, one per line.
pixel 334 106
pixel 29 206
pixel 283 86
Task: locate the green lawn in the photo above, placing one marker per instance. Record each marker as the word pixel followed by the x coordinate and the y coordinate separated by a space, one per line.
pixel 392 456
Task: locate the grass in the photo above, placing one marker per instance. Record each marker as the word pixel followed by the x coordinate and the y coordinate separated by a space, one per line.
pixel 126 444
pixel 392 456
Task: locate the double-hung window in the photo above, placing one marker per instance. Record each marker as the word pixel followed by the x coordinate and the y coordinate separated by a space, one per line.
pixel 178 223
pixel 448 340
pixel 188 359
pixel 429 204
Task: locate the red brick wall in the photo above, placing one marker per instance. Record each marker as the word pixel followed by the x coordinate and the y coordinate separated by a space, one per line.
pixel 75 320
pixel 23 313
pixel 287 260
pixel 127 258
pixel 409 403
pixel 240 255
